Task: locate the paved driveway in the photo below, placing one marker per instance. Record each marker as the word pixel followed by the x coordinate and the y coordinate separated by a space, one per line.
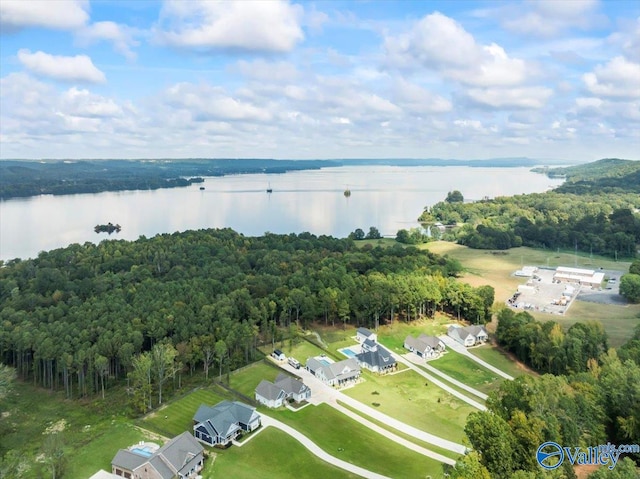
pixel 321 393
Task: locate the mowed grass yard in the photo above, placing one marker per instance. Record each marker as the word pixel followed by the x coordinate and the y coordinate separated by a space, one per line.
pixel 245 380
pixel 276 455
pixel 467 371
pixel 350 441
pixel 177 416
pixel 412 399
pixel 500 360
pixel 483 267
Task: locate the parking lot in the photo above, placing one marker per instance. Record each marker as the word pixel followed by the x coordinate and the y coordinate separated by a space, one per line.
pixel 540 293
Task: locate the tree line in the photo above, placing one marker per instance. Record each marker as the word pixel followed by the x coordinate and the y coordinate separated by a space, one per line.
pixel 81 318
pixel 590 212
pixel 588 396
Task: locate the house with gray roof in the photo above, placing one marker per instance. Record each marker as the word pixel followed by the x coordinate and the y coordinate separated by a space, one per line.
pixel 468 336
pixel 334 374
pixel 283 388
pixel 222 423
pixel 363 333
pixel 181 457
pixel 424 346
pixel 377 359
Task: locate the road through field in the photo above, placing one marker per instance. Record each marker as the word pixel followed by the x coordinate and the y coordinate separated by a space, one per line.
pixel 317 451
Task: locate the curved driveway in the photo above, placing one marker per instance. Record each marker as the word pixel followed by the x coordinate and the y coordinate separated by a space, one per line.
pixel 315 449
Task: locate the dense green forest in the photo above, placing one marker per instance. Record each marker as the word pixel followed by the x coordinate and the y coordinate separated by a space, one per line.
pixel 79 318
pixel 595 211
pixel 591 398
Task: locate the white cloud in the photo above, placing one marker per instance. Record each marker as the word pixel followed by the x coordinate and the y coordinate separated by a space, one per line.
pixel 548 18
pixel 206 103
pixel 504 98
pixel 121 36
pixel 263 70
pixel 54 14
pixel 82 103
pixel 419 100
pixel 257 26
pixel 435 41
pixel 619 78
pixel 439 43
pixel 628 39
pixel 79 68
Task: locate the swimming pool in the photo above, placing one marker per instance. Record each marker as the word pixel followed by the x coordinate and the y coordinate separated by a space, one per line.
pixel 348 352
pixel 145 452
pixel 324 362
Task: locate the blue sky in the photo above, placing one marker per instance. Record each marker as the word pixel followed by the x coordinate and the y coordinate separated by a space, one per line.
pixel 333 79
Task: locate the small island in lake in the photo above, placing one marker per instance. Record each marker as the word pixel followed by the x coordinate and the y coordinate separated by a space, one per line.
pixel 108 228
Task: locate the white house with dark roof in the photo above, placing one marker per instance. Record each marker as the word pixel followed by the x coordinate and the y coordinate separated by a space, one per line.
pixel 334 374
pixel 375 358
pixel 363 334
pixel 468 336
pixel 181 457
pixel 427 347
pixel 283 388
pixel 222 423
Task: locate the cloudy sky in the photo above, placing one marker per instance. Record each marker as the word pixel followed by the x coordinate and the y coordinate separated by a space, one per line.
pixel 332 79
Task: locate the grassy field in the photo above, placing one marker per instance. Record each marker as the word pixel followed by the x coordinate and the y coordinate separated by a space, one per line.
pixel 246 379
pixel 408 397
pixel 355 443
pixel 393 335
pixel 177 417
pixel 467 371
pixel 276 455
pixel 92 432
pixel 483 267
pixel 499 359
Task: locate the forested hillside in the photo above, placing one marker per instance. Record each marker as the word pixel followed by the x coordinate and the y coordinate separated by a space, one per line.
pixel 595 211
pixel 79 317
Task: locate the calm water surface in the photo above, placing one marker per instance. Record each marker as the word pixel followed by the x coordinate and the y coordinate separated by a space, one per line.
pixel 387 197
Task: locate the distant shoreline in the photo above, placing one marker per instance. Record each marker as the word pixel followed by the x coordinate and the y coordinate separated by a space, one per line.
pixel 28 178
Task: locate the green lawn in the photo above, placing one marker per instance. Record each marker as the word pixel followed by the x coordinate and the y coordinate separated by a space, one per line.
pixel 393 335
pixel 177 417
pixel 467 371
pixel 350 441
pixel 498 359
pixel 101 445
pixel 410 398
pixel 92 431
pixel 276 455
pixel 246 379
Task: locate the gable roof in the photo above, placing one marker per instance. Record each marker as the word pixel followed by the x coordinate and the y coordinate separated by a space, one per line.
pixel 268 390
pixel 167 460
pixel 224 417
pixel 379 357
pixel 126 459
pixel 289 384
pixel 365 332
pixel 369 343
pixel 476 330
pixel 431 341
pixel 179 451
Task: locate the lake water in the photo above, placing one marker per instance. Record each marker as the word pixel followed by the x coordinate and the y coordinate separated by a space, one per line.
pixel 387 197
